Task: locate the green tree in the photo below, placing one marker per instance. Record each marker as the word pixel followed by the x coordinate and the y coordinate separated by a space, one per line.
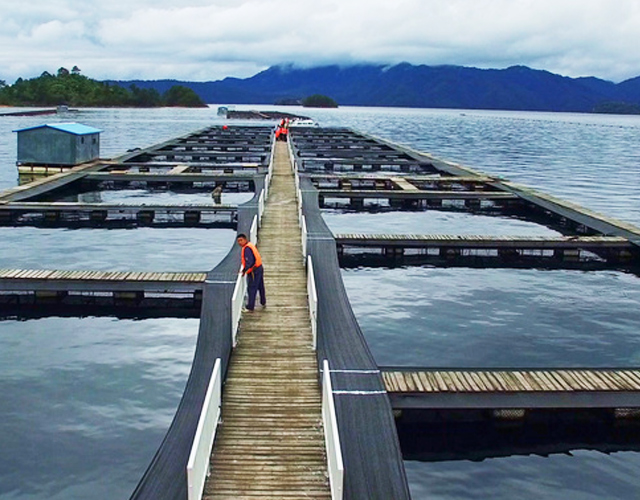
pixel 145 98
pixel 182 96
pixel 319 101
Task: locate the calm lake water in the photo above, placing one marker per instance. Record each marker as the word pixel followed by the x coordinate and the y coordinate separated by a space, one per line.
pixel 84 403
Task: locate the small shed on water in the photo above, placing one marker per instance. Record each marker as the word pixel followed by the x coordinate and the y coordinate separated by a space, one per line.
pixel 65 144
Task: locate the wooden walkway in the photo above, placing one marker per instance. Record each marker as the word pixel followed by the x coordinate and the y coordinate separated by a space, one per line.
pixel 512 381
pixel 525 389
pixel 38 280
pixel 270 443
pixel 476 241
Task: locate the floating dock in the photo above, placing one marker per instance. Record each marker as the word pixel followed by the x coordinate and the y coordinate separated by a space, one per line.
pixel 563 252
pixel 288 402
pixel 513 389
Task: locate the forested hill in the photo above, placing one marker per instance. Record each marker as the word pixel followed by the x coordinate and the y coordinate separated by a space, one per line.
pixel 514 88
pixel 74 89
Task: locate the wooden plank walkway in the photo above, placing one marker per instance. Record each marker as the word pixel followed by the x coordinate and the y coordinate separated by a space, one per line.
pixel 418 194
pixel 478 241
pixel 39 280
pixel 542 388
pixel 40 274
pixel 512 380
pixel 270 443
pixel 132 176
pixel 89 207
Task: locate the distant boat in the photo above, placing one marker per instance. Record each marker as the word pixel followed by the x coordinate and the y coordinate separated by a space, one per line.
pixel 306 122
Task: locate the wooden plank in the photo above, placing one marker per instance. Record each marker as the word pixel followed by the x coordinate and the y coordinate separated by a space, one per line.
pixel 478 382
pixel 417 382
pixel 523 381
pixel 179 169
pixel 497 382
pixel 402 384
pixel 442 385
pixel 403 184
pixel 575 382
pixel 555 381
pixel 388 382
pixel 634 376
pixel 489 383
pixel 426 383
pixel 458 382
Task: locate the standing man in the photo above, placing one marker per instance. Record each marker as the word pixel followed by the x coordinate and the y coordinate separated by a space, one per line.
pixel 253 270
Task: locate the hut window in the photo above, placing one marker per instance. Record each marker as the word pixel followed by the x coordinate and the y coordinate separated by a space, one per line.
pixel 82 140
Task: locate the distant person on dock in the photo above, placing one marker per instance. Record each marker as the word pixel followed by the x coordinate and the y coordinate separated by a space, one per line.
pixel 253 270
pixel 216 194
pixel 282 130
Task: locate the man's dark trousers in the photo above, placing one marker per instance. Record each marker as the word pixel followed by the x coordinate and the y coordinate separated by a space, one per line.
pixel 255 284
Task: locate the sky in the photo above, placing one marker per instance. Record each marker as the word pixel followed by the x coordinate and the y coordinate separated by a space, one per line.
pixel 201 40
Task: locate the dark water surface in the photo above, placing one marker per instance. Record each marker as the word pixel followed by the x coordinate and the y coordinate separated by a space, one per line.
pixel 84 403
pixel 582 475
pixel 140 249
pixel 481 318
pixel 431 222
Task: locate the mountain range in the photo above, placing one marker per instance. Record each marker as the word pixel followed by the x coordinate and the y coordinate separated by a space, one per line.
pixel 407 85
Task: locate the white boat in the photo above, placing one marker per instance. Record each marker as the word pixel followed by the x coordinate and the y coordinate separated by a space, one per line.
pixel 303 122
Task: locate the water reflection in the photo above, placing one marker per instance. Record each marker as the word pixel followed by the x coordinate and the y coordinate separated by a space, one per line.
pixel 86 402
pixel 465 317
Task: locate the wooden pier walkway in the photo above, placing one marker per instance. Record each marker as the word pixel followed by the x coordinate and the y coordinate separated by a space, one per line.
pixel 489 251
pixel 525 389
pixel 57 280
pixel 270 443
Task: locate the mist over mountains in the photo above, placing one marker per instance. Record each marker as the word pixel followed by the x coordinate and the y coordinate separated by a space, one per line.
pixel 406 85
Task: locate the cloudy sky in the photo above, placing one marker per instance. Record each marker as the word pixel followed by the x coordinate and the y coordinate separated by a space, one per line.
pixel 210 39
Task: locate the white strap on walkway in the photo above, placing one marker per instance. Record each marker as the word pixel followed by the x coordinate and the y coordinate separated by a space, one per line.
pixel 359 393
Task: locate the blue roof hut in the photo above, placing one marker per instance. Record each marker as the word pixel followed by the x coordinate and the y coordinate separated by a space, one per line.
pixel 64 144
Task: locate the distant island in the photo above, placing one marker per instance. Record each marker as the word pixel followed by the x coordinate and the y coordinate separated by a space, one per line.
pixel 405 85
pixel 617 108
pixel 319 101
pixel 73 89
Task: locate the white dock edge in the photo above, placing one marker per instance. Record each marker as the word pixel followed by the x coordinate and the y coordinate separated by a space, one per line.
pixel 313 302
pixel 261 202
pixel 237 301
pixel 304 237
pixel 253 231
pixel 198 464
pixel 331 436
pixel 267 182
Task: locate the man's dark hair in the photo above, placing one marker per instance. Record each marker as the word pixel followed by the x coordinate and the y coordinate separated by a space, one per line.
pixel 242 235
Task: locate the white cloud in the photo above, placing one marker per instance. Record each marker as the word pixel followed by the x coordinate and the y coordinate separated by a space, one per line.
pixel 210 39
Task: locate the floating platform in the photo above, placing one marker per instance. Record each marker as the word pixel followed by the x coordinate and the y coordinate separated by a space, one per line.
pixel 61 214
pixel 513 389
pixel 263 115
pixel 34 112
pixel 38 293
pixel 572 252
